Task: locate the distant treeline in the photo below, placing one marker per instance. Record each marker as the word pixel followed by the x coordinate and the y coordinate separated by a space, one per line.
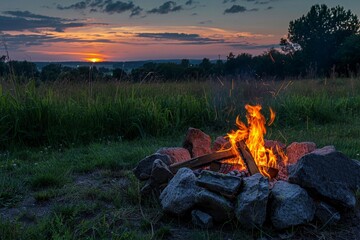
pixel 325 42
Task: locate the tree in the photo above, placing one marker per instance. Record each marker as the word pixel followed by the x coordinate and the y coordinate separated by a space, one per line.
pixel 348 55
pixel 319 33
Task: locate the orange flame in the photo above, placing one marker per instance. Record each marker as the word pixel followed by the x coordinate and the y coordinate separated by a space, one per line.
pixel 253 136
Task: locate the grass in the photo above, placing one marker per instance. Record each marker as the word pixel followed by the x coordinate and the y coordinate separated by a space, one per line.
pixel 65 167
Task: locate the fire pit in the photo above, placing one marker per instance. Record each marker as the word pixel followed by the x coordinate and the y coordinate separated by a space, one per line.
pixel 248 179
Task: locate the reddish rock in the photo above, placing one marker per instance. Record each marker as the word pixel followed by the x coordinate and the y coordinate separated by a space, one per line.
pixel 220 143
pixel 176 154
pixel 296 150
pixel 197 142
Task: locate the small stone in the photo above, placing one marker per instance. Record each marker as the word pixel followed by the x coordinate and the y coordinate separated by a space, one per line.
pixel 160 173
pixel 217 182
pixel 179 195
pixel 290 205
pixel 201 219
pixel 252 201
pixel 143 170
pixel 176 154
pixel 197 142
pixel 217 206
pixel 296 150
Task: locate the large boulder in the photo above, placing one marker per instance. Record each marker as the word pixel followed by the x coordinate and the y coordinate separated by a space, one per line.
pixel 217 182
pixel 197 142
pixel 176 154
pixel 215 205
pixel 330 174
pixel 179 195
pixel 290 205
pixel 252 201
pixel 143 170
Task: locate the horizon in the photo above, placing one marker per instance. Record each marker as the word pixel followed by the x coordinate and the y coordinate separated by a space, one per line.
pixel 139 30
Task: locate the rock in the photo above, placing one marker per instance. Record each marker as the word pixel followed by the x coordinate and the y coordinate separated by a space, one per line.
pixel 296 150
pixel 179 195
pixel 201 219
pixel 330 174
pixel 176 154
pixel 143 170
pixel 197 142
pixel 217 206
pixel 220 143
pixel 217 182
pixel 290 205
pixel 325 150
pixel 252 201
pixel 326 214
pixel 160 173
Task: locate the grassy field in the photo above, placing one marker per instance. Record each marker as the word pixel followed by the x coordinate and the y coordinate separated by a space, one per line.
pixel 68 149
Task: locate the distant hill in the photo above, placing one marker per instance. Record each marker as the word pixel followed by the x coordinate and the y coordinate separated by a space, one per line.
pixel 126 65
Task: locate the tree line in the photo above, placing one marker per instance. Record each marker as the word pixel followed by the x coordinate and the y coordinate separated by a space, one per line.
pixel 322 43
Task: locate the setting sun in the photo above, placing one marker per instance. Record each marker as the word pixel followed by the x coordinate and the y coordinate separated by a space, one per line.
pixel 94 60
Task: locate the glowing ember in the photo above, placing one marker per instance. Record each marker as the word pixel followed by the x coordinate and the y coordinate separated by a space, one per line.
pixel 253 136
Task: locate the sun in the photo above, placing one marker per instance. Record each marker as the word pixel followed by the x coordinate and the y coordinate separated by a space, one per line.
pixel 94 60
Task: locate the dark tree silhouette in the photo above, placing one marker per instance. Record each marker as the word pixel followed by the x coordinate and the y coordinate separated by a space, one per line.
pixel 319 34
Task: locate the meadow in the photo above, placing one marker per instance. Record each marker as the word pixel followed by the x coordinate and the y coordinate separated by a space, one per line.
pixel 67 149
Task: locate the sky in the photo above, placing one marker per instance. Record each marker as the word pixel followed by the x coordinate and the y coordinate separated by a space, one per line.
pixel 127 30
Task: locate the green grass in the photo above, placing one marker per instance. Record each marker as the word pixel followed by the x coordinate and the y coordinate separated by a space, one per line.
pixel 70 154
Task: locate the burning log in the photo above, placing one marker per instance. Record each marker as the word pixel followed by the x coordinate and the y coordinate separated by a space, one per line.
pixel 204 160
pixel 247 157
pixel 214 161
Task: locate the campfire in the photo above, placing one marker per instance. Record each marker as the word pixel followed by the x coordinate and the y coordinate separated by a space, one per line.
pixel 245 150
pixel 246 178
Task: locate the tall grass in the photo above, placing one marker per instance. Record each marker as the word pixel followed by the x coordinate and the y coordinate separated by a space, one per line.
pixel 68 113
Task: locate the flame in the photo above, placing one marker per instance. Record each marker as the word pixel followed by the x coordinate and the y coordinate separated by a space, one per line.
pixel 253 136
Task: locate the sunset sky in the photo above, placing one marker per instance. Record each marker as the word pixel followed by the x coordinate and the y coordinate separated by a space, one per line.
pixel 111 30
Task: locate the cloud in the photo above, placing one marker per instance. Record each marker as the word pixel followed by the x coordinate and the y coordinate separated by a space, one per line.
pixel 235 9
pixel 269 8
pixel 118 7
pixel 205 22
pixel 183 38
pixel 106 6
pixel 77 6
pixel 25 20
pixel 232 1
pixel 166 8
pixel 16 41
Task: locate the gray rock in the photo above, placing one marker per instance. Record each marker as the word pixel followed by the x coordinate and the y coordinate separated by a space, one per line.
pixel 160 173
pixel 201 219
pixel 326 214
pixel 179 195
pixel 143 170
pixel 330 174
pixel 296 150
pixel 217 182
pixel 325 150
pixel 252 201
pixel 217 206
pixel 176 154
pixel 197 142
pixel 290 205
